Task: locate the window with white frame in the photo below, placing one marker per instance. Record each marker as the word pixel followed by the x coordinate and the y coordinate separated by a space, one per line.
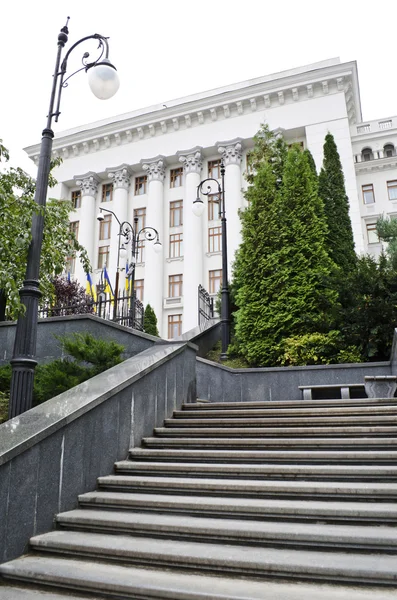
pixel 174 326
pixel 392 189
pixel 368 193
pixel 176 245
pixel 214 239
pixel 372 234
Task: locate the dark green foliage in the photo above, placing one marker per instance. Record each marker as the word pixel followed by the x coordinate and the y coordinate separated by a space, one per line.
pixel 101 354
pixel 150 321
pixel 57 377
pixel 89 356
pixel 340 242
pixel 4 399
pixel 5 378
pixel 370 316
pixel 282 270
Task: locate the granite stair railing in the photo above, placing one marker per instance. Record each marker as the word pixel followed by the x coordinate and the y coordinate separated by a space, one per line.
pixel 287 500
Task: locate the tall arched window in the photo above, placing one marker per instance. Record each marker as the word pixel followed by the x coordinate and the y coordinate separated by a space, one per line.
pixel 388 150
pixel 366 154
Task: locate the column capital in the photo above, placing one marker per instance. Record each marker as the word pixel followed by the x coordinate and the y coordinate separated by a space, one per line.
pixel 192 160
pixel 155 168
pixel 88 183
pixel 121 176
pixel 231 151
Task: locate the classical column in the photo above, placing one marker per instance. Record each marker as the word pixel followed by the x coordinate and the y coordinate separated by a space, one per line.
pixel 192 238
pixel 231 153
pixel 154 265
pixel 120 177
pixel 88 185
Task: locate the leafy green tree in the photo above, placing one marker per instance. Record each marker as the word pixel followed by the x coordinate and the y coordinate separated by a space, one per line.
pixel 17 207
pixel 340 242
pixel 368 321
pixel 150 321
pixel 282 270
pixel 386 228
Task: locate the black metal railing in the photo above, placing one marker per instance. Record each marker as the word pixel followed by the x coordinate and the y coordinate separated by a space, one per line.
pixel 104 307
pixel 205 305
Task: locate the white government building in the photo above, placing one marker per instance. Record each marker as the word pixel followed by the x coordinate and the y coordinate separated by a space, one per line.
pixel 148 164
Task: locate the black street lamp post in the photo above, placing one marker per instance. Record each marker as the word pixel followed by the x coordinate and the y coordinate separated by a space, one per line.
pixel 104 83
pixel 130 232
pixel 198 208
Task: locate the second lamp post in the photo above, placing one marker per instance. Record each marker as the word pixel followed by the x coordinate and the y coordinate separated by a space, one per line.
pixel 130 233
pixel 198 209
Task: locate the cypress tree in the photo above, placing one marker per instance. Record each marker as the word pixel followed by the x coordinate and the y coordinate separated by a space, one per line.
pixel 310 160
pixel 150 321
pixel 282 268
pixel 340 243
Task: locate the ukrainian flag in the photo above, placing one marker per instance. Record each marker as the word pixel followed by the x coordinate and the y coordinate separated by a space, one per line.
pixel 89 288
pixel 127 279
pixel 108 286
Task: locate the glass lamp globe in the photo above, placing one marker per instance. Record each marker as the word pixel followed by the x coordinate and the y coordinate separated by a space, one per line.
pixel 103 80
pixel 198 207
pixel 123 252
pixel 157 246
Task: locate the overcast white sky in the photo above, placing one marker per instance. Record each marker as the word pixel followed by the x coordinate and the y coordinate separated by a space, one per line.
pixel 171 48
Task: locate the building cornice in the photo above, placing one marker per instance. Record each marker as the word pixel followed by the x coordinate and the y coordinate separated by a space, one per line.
pixel 377 164
pixel 260 94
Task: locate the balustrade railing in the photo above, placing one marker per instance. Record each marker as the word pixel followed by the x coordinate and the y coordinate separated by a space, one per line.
pixel 127 313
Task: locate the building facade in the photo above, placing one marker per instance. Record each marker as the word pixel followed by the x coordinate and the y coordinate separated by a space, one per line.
pixel 147 165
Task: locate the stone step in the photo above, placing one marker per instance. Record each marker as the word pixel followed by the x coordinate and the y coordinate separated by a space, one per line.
pixel 314 456
pixel 111 580
pixel 260 432
pixel 284 422
pixel 384 443
pixel 288 403
pixel 387 409
pixel 320 489
pixel 250 471
pixel 8 592
pixel 248 508
pixel 239 560
pixel 260 533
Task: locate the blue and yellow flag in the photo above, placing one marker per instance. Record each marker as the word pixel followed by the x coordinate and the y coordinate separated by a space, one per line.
pixel 127 278
pixel 89 288
pixel 108 286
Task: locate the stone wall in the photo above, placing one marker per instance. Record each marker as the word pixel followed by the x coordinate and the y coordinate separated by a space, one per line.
pixel 55 451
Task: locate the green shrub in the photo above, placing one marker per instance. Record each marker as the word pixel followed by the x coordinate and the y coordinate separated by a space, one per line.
pixel 89 356
pixel 56 377
pixel 150 321
pixel 318 349
pixel 4 397
pixel 85 348
pixel 5 378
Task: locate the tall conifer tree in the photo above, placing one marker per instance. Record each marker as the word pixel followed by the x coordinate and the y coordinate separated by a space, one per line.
pixel 340 242
pixel 282 268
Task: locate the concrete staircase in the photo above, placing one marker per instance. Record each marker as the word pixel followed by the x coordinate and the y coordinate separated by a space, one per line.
pixel 261 500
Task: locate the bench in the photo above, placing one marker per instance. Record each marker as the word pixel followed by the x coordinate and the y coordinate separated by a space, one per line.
pixel 345 391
